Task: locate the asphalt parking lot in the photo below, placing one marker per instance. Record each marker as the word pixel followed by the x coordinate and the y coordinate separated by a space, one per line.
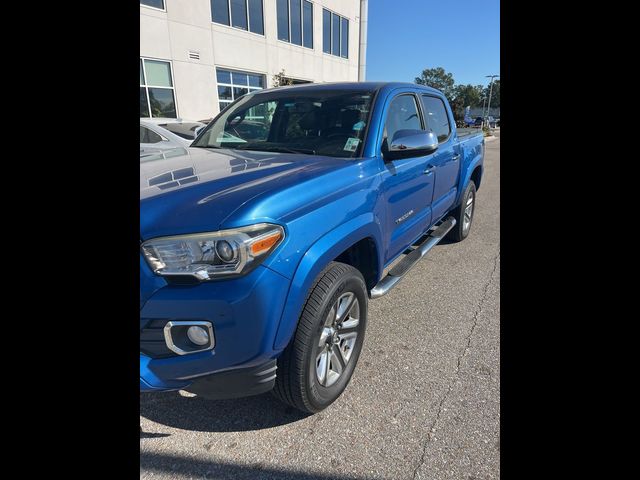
pixel 424 401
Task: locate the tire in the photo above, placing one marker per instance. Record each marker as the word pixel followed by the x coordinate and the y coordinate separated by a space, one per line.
pixel 462 227
pixel 310 374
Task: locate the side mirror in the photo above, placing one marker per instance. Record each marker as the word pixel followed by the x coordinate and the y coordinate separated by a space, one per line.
pixel 197 131
pixel 411 143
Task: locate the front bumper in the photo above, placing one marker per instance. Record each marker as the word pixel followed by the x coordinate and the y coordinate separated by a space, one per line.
pixel 245 313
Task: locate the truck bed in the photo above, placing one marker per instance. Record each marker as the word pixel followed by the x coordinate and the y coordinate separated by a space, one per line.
pixel 466 133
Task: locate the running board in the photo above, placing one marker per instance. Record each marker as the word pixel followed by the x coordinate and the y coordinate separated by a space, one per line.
pixel 400 270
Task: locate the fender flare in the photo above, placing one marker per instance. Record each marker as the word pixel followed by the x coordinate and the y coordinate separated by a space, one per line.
pixel 478 161
pixel 316 258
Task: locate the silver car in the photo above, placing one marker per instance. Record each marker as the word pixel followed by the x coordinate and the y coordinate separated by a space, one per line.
pixel 158 134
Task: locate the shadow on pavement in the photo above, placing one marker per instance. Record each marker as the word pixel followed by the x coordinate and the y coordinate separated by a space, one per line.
pixel 153 435
pixel 202 415
pixel 190 467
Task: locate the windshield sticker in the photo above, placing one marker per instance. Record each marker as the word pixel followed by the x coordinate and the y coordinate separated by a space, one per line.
pixel 359 126
pixel 352 144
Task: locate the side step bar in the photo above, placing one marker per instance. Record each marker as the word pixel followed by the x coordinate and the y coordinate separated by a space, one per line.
pixel 400 270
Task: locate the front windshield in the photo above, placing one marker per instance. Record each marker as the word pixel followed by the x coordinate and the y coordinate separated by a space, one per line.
pixel 322 122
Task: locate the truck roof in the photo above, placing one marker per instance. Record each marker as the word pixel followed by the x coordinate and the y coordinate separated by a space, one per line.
pixel 348 86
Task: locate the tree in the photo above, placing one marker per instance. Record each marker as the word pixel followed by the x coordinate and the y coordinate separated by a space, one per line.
pixel 280 79
pixel 464 96
pixel 457 107
pixel 469 95
pixel 495 94
pixel 437 78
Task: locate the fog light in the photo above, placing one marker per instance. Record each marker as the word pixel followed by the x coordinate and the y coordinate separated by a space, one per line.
pixel 198 335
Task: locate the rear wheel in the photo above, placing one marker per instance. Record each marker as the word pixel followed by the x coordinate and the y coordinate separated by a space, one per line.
pixel 464 214
pixel 317 365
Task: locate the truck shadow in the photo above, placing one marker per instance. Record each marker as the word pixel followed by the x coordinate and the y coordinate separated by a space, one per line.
pixel 193 467
pixel 200 414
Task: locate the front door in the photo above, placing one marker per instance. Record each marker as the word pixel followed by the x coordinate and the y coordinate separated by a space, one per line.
pixel 407 183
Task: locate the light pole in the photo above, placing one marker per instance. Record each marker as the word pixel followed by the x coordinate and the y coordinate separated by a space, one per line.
pixel 490 90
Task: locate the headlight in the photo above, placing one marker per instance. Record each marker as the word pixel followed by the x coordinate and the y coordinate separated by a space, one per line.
pixel 216 254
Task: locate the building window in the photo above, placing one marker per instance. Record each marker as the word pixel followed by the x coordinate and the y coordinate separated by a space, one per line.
pixel 295 22
pixel 307 24
pixel 157 97
pixel 159 4
pixel 335 34
pixel 233 84
pixel 244 14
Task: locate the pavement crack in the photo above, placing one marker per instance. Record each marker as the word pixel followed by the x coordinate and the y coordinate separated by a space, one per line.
pixel 432 427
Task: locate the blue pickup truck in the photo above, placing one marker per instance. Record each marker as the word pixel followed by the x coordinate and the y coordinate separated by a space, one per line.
pixel 261 246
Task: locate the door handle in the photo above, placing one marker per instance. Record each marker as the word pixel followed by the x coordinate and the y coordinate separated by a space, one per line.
pixel 453 159
pixel 429 169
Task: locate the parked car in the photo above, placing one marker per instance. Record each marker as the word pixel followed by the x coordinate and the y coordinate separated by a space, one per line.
pixel 259 256
pixel 165 133
pixel 478 122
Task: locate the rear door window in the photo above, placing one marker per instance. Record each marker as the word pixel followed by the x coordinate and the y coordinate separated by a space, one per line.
pixel 436 117
pixel 148 136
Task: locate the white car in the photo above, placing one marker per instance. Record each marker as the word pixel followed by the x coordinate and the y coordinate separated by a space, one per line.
pixel 167 133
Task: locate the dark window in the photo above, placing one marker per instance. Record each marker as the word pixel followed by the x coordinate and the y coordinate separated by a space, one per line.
pixel 256 81
pixel 296 21
pixel 335 34
pixel 224 93
pixel 239 14
pixel 239 91
pixel 153 3
pixel 239 78
pixel 255 17
pixel 147 136
pixel 283 20
pixel 436 117
pixel 144 106
pixel 234 84
pixel 223 76
pixel 344 38
pixel 254 22
pixel 162 103
pixel 220 11
pixel 402 115
pixel 307 24
pixel 326 31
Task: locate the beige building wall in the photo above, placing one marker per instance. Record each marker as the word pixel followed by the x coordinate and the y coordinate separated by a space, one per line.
pixel 186 26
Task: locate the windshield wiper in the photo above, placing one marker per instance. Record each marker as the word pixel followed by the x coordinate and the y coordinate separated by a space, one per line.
pixel 269 148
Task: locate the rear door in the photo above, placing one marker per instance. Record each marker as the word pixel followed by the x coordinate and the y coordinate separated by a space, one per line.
pixel 446 160
pixel 407 183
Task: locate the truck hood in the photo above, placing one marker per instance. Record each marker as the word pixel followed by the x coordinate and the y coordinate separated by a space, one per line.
pixel 195 190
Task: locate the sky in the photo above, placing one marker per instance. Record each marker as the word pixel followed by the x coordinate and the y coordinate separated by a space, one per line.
pixel 406 36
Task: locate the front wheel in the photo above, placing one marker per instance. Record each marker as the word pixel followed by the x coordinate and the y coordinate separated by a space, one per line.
pixel 464 214
pixel 317 365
